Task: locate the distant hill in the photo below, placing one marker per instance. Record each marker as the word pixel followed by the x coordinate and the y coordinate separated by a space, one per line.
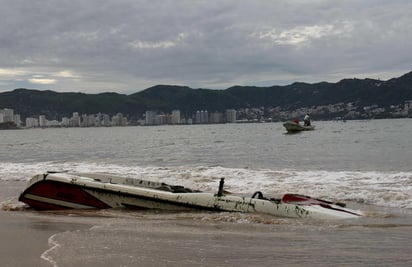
pixel 360 92
pixel 55 105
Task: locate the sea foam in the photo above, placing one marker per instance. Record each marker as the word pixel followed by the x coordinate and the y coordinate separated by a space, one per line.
pixel 389 189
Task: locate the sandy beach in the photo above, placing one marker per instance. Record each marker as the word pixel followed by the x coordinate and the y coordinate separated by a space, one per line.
pixel 196 240
pixel 25 239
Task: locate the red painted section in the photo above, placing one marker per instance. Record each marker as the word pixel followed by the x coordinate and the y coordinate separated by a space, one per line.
pixel 303 200
pixel 61 191
pixel 37 205
pixel 292 198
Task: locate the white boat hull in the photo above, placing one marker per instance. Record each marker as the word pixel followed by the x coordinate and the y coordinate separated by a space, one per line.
pixel 71 191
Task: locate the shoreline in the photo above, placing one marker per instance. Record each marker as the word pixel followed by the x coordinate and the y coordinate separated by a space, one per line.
pixel 150 238
pixel 25 239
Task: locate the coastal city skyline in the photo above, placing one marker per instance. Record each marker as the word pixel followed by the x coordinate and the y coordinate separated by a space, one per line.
pixel 261 114
pixel 150 118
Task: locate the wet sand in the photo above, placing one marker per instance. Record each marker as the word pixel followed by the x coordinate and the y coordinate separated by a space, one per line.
pixel 24 239
pixel 196 239
pixel 205 243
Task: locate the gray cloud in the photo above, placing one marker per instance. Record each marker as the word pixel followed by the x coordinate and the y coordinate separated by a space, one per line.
pixel 126 46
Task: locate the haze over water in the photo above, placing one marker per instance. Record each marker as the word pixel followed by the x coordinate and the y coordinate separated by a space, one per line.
pixel 366 164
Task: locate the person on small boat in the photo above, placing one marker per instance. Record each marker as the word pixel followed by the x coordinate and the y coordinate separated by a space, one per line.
pixel 306 120
pixel 296 121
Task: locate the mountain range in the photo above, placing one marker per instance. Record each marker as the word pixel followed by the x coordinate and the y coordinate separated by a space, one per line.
pixel 164 98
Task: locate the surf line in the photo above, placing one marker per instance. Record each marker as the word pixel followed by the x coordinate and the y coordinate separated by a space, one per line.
pixel 54 245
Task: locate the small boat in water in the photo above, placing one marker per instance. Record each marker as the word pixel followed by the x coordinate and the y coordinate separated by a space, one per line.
pixel 57 191
pixel 293 127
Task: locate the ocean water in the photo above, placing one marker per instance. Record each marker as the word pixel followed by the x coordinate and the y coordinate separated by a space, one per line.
pixel 367 164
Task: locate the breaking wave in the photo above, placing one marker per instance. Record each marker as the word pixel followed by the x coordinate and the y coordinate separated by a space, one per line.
pixel 388 189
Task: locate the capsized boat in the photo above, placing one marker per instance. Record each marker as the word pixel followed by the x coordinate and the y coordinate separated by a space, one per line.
pixel 56 191
pixel 292 126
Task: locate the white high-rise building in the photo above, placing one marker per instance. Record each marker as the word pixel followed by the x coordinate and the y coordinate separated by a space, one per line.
pixel 230 115
pixel 75 120
pixel 150 117
pixel 175 117
pixel 32 123
pixel 91 121
pixel 106 120
pixel 6 115
pixel 161 119
pixel 17 120
pixel 119 120
pixel 198 117
pixel 83 120
pixel 42 121
pixel 204 116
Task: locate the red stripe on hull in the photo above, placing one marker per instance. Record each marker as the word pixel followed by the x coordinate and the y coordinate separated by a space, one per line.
pixel 294 198
pixel 38 205
pixel 60 191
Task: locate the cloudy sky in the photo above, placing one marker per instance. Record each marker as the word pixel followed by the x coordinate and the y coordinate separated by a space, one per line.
pixel 126 46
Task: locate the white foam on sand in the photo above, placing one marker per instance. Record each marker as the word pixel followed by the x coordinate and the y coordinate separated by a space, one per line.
pixel 53 246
